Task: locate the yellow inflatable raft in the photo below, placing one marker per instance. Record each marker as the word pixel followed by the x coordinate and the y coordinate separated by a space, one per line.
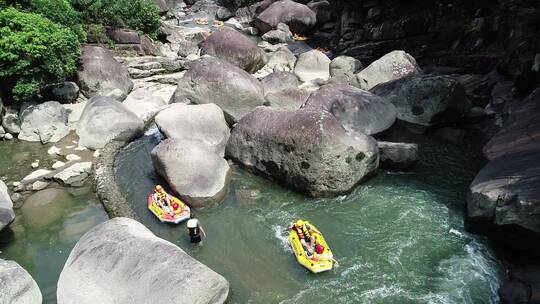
pixel 317 263
pixel 177 212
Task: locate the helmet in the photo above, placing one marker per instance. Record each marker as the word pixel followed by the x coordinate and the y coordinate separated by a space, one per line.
pixel 319 248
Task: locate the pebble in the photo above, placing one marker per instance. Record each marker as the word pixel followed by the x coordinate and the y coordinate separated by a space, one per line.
pixel 70 147
pixel 53 150
pixel 81 149
pixel 71 157
pixel 39 185
pixel 35 165
pixel 96 153
pixel 15 197
pixel 8 136
pixel 58 164
pixel 16 184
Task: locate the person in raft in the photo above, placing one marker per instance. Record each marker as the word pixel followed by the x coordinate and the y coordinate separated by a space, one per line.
pixel 320 255
pixel 195 230
pixel 163 200
pixel 306 239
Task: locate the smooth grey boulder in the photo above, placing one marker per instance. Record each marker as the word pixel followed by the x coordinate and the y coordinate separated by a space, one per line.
pixel 307 151
pixel 426 100
pixel 46 122
pixel 345 66
pixel 10 120
pixel 105 119
pixel 504 198
pixel 99 73
pixel 17 286
pixel 123 35
pixel 121 261
pixel 204 124
pixel 281 34
pixel 282 60
pixel 63 92
pixel 297 16
pixel 287 99
pixel 232 46
pixel 312 65
pixel 392 66
pixel 356 109
pixel 278 81
pixel 212 80
pixel 198 175
pixel 144 103
pixel 6 206
pixel 397 156
pixel 74 175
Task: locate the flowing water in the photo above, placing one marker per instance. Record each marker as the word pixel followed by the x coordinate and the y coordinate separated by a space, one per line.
pixel 45 230
pixel 399 238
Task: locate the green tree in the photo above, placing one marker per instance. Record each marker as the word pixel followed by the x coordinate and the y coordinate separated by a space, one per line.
pixel 142 15
pixel 34 51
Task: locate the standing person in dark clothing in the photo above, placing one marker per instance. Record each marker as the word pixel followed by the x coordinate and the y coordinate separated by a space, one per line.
pixel 195 229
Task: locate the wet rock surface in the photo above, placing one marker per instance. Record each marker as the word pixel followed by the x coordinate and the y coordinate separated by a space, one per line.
pixel 239 92
pixel 305 150
pixel 356 109
pixel 106 264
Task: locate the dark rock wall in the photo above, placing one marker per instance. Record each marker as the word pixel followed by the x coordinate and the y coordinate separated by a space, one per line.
pixel 477 35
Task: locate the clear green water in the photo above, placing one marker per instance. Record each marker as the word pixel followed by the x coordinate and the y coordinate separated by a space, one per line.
pixel 399 238
pixel 40 239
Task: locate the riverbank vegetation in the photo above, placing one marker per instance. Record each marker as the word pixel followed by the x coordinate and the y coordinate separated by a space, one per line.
pixel 40 40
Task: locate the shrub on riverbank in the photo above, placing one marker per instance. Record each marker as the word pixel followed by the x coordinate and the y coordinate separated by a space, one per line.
pixel 34 51
pixel 142 15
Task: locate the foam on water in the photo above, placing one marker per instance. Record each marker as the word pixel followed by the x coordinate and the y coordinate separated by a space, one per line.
pixel 399 238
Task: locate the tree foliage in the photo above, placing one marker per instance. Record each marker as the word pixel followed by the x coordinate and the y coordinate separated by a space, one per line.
pixel 33 52
pixel 142 15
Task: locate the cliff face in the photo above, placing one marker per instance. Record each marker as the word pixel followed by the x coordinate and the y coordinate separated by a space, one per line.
pixel 477 35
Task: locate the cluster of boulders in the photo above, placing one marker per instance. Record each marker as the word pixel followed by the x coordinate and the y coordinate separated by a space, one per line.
pixel 191 158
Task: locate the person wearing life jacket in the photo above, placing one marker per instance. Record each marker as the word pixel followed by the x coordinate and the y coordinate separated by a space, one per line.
pixel 162 200
pixel 321 254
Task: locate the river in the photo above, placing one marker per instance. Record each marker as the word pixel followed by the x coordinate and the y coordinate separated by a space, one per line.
pixel 399 238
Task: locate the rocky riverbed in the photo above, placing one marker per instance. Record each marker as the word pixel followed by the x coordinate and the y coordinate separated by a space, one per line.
pixel 261 119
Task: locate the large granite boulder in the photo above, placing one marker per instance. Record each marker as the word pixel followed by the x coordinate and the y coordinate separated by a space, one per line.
pixel 212 80
pixel 197 174
pixel 63 92
pixel 287 99
pixel 6 206
pixel 312 65
pixel 46 122
pixel 308 151
pixel 16 285
pixel 204 124
pixel 281 60
pixel 426 100
pixel 297 16
pixel 397 156
pixel 278 81
pixel 99 73
pixel 11 121
pixel 356 109
pixel 282 34
pixel 105 119
pixel 121 261
pixel 232 46
pixel 145 103
pixel 504 198
pixel 392 66
pixel 345 68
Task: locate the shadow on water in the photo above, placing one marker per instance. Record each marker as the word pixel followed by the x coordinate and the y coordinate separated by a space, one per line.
pixel 399 238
